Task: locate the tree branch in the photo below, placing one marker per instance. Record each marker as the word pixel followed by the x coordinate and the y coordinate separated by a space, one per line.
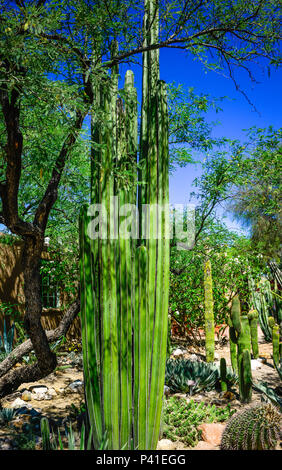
pixel 10 381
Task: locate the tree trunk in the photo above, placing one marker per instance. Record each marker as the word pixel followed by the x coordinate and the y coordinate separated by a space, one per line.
pixel 33 305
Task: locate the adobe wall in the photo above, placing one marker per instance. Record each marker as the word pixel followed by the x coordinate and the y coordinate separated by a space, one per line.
pixel 12 292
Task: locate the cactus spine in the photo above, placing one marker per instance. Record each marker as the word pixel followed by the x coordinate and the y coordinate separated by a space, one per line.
pixel 209 316
pixel 124 287
pixel 254 428
pixel 240 335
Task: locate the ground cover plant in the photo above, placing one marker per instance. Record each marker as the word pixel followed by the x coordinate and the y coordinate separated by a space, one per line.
pixel 181 418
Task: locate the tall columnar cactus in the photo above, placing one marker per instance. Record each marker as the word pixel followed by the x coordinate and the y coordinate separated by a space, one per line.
pixel 253 321
pixel 208 311
pixel 223 377
pixel 124 281
pixel 240 335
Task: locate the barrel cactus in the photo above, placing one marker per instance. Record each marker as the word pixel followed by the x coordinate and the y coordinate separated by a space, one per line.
pixel 254 428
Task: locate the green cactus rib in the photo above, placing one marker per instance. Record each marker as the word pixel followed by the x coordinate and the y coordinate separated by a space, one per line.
pixel 236 313
pixel 208 312
pixel 253 321
pixel 240 337
pixel 223 372
pixel 161 266
pixel 90 329
pixel 275 344
pixel 124 288
pixel 233 348
pixel 141 351
pixel 245 376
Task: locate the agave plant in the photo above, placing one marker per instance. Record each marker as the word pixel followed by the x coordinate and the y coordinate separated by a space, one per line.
pixel 6 342
pixel 7 414
pixel 269 394
pixel 50 442
pixel 184 375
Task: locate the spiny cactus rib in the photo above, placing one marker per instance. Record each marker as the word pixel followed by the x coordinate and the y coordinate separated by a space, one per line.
pixel 125 290
pixel 209 315
pixel 253 321
pixel 245 376
pixel 254 428
pixel 223 371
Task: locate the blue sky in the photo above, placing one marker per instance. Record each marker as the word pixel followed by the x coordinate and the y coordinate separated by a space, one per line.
pixel 237 114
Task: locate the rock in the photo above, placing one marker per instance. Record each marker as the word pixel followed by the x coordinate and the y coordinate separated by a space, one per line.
pixel 74 387
pixel 203 445
pixel 216 356
pixel 18 403
pixel 166 444
pixel 26 395
pixel 178 352
pixel 212 432
pixel 194 357
pixel 255 364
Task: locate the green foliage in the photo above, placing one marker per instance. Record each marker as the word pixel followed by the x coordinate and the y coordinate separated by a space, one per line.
pixel 232 260
pixel 6 415
pixel 254 428
pixel 7 340
pixel 269 393
pixel 186 376
pixel 181 418
pixel 257 200
pixel 74 441
pixel 62 271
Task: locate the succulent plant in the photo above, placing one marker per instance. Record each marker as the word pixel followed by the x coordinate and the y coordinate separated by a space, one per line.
pixel 181 418
pixel 208 312
pixel 269 394
pixel 254 428
pixel 184 375
pixel 240 337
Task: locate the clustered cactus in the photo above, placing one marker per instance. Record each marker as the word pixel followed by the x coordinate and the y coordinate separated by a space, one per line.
pixel 125 281
pixel 254 428
pixel 240 349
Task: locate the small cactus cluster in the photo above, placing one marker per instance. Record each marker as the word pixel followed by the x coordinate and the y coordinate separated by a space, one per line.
pixel 268 303
pixel 254 428
pixel 240 349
